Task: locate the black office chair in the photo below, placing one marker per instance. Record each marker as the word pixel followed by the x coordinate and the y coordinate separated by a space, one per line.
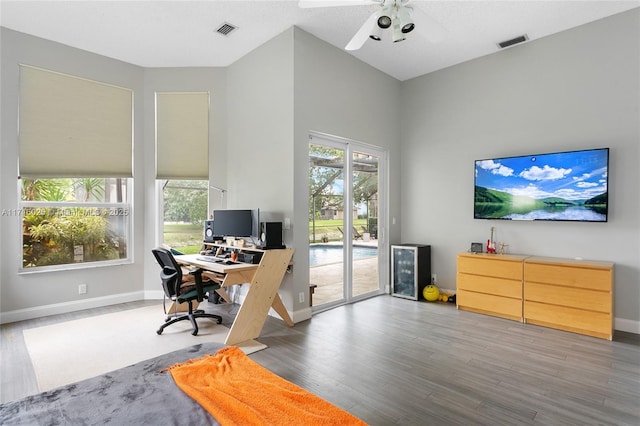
pixel 180 289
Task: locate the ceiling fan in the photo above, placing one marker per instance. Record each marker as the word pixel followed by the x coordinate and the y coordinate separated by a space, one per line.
pixel 394 15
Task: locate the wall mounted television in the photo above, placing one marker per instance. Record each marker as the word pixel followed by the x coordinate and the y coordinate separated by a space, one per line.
pixel 236 223
pixel 563 186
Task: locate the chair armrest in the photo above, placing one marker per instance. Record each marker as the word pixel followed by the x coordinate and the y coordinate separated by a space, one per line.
pixel 197 274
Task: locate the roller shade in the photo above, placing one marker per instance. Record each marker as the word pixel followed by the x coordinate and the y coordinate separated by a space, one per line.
pixel 182 135
pixel 73 127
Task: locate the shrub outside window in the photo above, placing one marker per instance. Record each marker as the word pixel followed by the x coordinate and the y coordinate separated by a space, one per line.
pixel 72 222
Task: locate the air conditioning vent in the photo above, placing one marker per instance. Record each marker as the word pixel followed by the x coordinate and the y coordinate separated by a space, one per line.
pixel 225 29
pixel 519 39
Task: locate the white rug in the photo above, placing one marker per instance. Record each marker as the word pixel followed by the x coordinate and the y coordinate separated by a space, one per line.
pixel 76 350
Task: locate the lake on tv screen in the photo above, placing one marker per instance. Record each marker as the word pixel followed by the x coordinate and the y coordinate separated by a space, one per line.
pixel 564 186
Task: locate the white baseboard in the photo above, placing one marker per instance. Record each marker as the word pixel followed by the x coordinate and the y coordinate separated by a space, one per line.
pixel 63 308
pixel 629 326
pixel 621 324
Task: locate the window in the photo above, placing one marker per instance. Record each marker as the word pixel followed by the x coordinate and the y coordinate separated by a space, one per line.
pixel 71 221
pixel 75 170
pixel 185 211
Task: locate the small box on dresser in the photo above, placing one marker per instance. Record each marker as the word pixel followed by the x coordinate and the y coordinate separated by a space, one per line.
pixel 571 295
pixel 490 284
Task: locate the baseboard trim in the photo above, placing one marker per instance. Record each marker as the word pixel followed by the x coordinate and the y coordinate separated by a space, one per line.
pixel 621 324
pixel 66 307
pixel 629 326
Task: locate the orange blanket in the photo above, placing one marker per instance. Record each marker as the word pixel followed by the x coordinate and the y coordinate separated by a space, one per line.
pixel 238 391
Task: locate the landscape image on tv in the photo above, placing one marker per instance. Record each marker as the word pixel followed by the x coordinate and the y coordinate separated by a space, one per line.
pixel 570 186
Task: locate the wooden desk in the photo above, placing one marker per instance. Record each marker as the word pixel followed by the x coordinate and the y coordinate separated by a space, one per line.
pixel 264 279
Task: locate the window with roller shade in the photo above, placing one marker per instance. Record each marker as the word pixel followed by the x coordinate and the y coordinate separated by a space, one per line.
pixel 182 167
pixel 75 166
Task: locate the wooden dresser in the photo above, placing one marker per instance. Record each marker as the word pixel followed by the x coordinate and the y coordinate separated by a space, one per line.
pixel 571 295
pixel 567 294
pixel 490 284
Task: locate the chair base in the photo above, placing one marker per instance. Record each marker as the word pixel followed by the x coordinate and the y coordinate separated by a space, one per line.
pixel 191 317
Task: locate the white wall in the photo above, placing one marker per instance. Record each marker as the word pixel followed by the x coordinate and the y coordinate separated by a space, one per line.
pixel 575 90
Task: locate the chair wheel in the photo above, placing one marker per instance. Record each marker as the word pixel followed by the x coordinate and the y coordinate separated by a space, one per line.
pixel 194 333
pixel 159 331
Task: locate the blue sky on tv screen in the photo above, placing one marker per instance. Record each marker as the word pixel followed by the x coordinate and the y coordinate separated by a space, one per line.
pixel 578 175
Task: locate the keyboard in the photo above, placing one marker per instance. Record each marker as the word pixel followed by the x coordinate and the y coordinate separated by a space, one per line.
pixel 214 259
pixel 211 259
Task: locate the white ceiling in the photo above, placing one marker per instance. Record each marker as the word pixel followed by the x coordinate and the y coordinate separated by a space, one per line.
pixel 182 33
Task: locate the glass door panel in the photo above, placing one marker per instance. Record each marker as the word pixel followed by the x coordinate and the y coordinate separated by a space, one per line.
pixel 364 190
pixel 326 224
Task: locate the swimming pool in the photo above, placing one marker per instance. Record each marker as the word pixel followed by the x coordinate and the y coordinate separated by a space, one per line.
pixel 322 254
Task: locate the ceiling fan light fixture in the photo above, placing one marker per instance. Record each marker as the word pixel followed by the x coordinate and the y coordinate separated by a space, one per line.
pixel 398 35
pixel 384 21
pixel 406 23
pixel 376 33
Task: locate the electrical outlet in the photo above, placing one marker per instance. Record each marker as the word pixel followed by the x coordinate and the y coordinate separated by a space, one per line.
pixel 301 297
pixel 434 278
pixel 82 289
pixel 287 223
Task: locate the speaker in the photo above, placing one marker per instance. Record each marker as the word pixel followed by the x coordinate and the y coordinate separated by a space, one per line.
pixel 208 231
pixel 271 235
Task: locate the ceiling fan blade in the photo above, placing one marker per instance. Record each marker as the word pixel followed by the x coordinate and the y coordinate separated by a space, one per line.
pixel 305 4
pixel 427 26
pixel 363 33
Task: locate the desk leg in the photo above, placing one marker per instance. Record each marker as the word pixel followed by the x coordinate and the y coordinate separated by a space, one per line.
pixel 262 294
pixel 223 293
pixel 279 307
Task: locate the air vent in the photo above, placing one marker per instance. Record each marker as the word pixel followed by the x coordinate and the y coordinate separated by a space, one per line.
pixel 226 28
pixel 519 39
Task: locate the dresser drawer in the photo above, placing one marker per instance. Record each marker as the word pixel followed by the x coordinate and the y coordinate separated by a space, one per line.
pixel 570 276
pixel 490 304
pixel 490 285
pixel 596 324
pixel 490 266
pixel 590 300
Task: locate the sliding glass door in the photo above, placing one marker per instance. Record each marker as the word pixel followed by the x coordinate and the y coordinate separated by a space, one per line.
pixel 346 248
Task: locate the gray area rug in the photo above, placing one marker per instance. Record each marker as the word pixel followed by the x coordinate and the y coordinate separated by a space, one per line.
pixel 140 394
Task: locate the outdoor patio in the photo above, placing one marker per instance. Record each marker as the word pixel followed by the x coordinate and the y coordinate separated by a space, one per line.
pixel 329 277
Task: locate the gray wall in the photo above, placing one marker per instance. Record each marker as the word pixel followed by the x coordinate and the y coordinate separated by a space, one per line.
pixel 214 81
pixel 338 95
pixel 30 295
pixel 278 93
pixel 35 294
pixel 575 90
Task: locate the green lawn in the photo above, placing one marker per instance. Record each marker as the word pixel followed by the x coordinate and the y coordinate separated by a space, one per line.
pixel 184 237
pixel 330 229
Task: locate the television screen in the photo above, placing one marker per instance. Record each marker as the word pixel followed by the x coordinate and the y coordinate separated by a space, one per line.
pixel 568 186
pixel 233 223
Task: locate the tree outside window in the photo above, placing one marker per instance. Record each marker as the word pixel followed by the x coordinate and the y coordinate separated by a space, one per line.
pixel 74 221
pixel 185 209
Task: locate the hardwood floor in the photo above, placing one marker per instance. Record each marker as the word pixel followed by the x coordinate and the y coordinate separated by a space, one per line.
pixel 393 361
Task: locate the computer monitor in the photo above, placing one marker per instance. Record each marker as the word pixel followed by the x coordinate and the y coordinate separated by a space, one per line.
pixel 236 223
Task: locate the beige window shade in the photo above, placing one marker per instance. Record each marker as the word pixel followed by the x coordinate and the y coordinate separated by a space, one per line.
pixel 73 127
pixel 182 135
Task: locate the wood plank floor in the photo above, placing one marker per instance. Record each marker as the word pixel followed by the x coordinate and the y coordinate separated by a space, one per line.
pixel 393 361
